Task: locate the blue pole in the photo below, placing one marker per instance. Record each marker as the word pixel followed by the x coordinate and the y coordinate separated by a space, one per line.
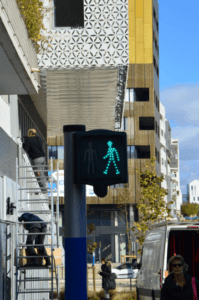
pixel 93 258
pixel 75 223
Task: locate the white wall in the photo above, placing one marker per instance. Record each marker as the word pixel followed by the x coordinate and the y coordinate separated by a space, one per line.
pixel 194 191
pixel 5 114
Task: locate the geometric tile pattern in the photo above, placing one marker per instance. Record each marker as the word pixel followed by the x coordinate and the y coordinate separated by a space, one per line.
pixel 103 42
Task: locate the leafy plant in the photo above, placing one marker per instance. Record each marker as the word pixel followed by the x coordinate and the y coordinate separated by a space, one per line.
pixel 33 13
pixel 152 193
pixel 189 209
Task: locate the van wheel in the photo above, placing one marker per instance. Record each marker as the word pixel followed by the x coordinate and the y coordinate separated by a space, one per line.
pixel 137 294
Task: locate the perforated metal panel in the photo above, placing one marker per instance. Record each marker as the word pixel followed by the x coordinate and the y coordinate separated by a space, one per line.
pixel 8 154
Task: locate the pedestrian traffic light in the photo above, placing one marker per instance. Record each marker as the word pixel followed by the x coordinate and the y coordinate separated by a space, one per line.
pixel 100 158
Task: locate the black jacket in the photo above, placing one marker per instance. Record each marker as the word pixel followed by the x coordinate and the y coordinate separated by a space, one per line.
pixel 27 217
pixel 171 291
pixel 33 146
pixel 106 271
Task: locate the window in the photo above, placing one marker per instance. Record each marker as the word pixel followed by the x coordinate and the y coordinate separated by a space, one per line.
pixel 124 123
pixel 130 152
pixel 146 123
pixel 141 94
pixel 60 152
pixel 129 95
pixel 69 13
pixel 176 156
pixel 198 198
pixel 154 14
pixel 162 133
pixel 193 198
pixel 52 152
pixel 142 152
pixel 163 161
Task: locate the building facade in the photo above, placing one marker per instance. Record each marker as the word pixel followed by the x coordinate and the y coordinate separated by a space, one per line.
pixel 194 191
pixel 141 122
pixel 18 114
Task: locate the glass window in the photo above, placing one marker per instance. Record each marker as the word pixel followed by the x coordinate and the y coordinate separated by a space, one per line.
pixel 127 95
pixel 131 95
pixel 105 218
pixel 128 152
pixel 93 217
pixel 198 198
pixel 132 151
pixel 49 151
pixel 60 152
pixel 192 187
pixel 53 152
pixel 121 218
pixel 193 198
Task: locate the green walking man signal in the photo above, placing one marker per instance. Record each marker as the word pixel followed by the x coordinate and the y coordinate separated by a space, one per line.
pixel 110 154
pixel 100 159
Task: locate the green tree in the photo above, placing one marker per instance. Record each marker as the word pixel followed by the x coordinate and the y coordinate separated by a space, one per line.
pixel 189 209
pixel 151 192
pixel 124 200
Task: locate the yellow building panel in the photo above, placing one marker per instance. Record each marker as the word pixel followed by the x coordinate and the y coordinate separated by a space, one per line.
pixel 148 12
pixel 139 6
pixel 139 31
pixel 131 24
pixel 132 50
pixel 148 36
pixel 139 53
pixel 148 54
pixel 131 6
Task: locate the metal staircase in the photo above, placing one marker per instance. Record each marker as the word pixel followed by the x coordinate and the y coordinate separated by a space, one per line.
pixel 32 282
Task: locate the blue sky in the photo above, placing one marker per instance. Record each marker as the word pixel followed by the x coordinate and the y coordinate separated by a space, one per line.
pixel 179 80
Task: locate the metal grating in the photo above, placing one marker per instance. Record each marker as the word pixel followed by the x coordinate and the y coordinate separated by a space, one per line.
pixel 8 154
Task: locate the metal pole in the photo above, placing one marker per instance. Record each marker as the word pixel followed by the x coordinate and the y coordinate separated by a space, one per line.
pixel 17 250
pixel 52 228
pixel 75 223
pixel 93 277
pixel 57 210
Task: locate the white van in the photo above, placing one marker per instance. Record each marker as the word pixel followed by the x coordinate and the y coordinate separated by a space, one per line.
pixel 161 242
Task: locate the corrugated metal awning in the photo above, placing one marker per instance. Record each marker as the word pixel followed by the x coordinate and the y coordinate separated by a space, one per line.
pixel 84 96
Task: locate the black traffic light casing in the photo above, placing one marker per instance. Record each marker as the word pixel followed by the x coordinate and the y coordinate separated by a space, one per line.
pixel 100 157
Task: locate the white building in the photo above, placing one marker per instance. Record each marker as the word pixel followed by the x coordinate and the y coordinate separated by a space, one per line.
pixel 175 175
pixel 165 152
pixel 194 191
pixel 169 158
pixel 17 81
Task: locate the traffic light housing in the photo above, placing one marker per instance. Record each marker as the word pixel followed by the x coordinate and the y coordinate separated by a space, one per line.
pixel 100 158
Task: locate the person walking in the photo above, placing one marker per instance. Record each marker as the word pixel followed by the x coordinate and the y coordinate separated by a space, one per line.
pixel 178 284
pixel 35 228
pixel 33 146
pixel 106 271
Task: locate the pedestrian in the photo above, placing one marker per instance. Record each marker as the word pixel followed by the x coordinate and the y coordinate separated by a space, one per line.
pixel 35 228
pixel 33 146
pixel 106 271
pixel 178 284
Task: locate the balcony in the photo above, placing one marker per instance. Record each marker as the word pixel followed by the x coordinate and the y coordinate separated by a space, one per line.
pixel 17 53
